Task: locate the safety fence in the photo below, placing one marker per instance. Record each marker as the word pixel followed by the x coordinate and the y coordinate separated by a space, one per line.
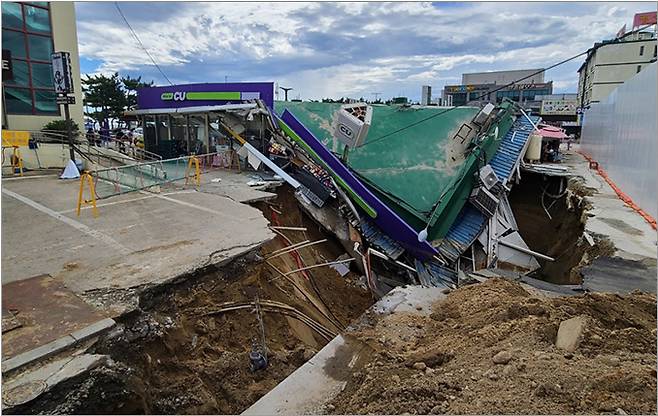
pixel 119 180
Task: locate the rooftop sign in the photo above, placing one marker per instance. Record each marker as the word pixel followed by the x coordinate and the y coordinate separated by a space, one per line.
pixel 193 95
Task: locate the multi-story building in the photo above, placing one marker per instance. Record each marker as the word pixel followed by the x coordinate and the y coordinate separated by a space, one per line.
pixel 426 95
pixel 480 88
pixel 31 32
pixel 612 62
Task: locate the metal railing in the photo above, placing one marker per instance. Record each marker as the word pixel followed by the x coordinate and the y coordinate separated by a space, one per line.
pixel 119 180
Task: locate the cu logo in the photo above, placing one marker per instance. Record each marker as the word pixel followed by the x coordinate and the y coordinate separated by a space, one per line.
pixel 345 130
pixel 179 96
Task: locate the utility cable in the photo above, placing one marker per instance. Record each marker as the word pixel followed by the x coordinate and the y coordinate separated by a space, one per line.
pixel 116 4
pixel 478 98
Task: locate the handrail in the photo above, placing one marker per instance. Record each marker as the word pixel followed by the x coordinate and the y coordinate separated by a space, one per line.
pixel 49 136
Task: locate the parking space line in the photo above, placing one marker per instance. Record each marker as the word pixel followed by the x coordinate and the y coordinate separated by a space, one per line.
pixel 69 221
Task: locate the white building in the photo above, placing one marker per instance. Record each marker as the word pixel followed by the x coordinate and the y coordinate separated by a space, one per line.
pixel 426 95
pixel 612 62
pixel 504 77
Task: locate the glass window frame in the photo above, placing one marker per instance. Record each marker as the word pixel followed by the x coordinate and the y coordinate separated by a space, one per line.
pixel 25 33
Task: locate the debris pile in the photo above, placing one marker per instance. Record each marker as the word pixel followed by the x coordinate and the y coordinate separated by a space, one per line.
pixel 497 348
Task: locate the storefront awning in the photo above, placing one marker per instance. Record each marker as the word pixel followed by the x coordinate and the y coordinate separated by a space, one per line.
pixel 188 110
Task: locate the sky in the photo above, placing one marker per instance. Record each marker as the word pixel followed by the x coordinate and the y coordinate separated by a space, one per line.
pixel 344 49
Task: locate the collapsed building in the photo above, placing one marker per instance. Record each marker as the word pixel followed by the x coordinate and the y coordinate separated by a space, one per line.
pixel 416 195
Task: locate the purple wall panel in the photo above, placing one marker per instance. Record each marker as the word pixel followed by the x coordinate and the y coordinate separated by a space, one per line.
pixel 148 98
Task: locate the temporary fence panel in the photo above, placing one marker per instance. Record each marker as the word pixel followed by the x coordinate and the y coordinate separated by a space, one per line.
pixel 620 133
pixel 123 179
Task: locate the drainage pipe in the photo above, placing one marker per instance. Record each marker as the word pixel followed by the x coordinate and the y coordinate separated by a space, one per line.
pixel 526 250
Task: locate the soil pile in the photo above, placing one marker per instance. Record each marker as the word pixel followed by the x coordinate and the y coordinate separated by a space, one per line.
pixel 490 348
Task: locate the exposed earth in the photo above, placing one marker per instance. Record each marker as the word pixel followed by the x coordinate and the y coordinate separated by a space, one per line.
pixel 490 349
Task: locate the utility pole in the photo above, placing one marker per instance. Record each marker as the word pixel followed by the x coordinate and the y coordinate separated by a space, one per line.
pixel 376 94
pixel 285 90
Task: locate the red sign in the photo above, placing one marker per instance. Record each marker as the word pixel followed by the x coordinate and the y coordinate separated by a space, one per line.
pixel 643 19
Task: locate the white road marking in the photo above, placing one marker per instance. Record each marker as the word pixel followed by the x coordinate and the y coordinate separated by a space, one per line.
pixel 69 221
pixel 188 204
pixel 14 178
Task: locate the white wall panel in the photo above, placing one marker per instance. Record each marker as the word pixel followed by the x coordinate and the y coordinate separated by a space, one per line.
pixel 621 134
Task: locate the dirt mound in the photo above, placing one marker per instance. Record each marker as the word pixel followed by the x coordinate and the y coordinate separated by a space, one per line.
pixel 490 348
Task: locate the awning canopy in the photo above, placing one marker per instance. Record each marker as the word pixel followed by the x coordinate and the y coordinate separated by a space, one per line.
pixel 552 132
pixel 188 110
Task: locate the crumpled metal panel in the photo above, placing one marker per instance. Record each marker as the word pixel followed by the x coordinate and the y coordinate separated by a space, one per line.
pixel 433 274
pixel 620 133
pixel 380 240
pixel 470 222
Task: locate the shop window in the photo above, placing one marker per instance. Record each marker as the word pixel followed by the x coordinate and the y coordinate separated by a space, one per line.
pixel 37 19
pixel 41 47
pixel 27 34
pixel 12 16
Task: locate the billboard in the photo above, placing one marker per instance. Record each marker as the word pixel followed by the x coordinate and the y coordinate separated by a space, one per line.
pixel 566 107
pixel 198 95
pixel 643 19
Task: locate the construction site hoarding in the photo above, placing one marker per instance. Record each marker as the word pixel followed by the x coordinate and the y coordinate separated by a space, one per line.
pixel 620 133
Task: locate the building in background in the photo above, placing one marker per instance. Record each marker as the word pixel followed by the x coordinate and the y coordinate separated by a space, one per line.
pixel 31 31
pixel 560 110
pixel 611 62
pixel 478 88
pixel 426 95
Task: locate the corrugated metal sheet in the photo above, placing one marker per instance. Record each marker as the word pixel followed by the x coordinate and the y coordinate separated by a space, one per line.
pixel 470 222
pixel 433 274
pixel 380 240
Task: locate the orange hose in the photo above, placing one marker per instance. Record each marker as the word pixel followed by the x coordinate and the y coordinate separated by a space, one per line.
pixel 627 199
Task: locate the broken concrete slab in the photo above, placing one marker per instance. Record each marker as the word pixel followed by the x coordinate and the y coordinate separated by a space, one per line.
pixel 47 310
pixel 232 185
pixel 570 333
pixel 138 240
pixel 31 384
pixel 51 348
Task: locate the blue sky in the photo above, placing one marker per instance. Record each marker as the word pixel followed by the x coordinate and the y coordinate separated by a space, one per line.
pixel 344 49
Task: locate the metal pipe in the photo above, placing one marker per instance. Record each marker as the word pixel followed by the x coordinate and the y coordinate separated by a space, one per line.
pixel 526 250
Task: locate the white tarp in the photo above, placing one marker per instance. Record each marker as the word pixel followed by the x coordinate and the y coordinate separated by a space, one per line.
pixel 70 171
pixel 620 133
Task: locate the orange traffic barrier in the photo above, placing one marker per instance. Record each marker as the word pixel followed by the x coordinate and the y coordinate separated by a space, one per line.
pixel 627 199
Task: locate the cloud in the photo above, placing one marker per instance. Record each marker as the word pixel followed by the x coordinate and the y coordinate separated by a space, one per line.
pixel 339 49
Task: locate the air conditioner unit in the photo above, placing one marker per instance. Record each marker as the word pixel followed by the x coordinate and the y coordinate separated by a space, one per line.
pixel 352 124
pixel 484 201
pixel 483 115
pixel 489 178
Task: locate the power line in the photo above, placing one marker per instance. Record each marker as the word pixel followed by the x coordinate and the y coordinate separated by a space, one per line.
pixel 140 42
pixel 478 98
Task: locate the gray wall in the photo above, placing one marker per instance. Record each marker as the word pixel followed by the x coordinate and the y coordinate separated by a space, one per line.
pixel 620 133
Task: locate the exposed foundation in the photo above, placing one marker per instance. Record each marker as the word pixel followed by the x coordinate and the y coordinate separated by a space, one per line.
pixel 180 352
pixel 555 226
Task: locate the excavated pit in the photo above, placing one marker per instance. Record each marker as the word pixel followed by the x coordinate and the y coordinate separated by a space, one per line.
pixel 558 233
pixel 183 354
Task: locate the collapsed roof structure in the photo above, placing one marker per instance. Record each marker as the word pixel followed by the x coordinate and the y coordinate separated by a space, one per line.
pixel 419 193
pixel 416 194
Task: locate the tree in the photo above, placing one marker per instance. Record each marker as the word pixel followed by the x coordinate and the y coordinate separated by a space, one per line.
pixel 109 96
pixel 105 95
pixel 131 85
